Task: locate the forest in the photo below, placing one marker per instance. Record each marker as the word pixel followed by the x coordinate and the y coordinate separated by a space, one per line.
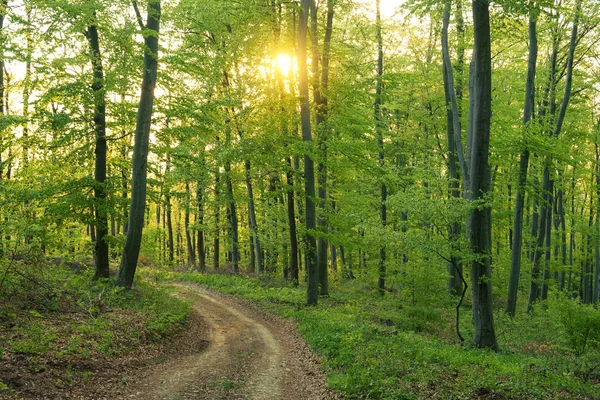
pixel 414 183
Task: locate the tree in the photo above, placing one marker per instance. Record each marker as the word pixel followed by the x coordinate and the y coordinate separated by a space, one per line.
pixel 379 127
pixel 480 219
pixel 312 291
pixel 517 242
pixel 101 246
pixel 137 206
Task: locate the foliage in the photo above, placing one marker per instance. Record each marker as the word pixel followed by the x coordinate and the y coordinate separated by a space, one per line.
pixel 385 348
pixel 50 310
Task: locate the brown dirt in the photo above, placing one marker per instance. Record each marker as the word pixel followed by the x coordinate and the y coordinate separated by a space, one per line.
pixel 250 355
pixel 231 350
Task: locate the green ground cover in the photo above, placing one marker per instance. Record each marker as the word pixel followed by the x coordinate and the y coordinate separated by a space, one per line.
pixel 387 348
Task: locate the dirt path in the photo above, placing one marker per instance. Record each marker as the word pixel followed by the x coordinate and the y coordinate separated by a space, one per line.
pixel 250 355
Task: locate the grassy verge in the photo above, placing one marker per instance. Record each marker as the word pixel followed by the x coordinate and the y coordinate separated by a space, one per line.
pixel 381 348
pixel 58 328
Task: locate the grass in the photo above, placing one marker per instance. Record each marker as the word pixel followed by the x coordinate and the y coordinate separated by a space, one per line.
pixel 54 316
pixel 385 348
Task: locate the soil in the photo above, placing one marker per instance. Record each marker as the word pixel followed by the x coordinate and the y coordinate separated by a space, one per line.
pixel 232 350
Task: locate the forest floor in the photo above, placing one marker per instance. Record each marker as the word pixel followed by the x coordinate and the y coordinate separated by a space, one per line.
pixel 230 350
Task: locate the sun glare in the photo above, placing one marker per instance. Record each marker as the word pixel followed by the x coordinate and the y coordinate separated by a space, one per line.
pixel 284 62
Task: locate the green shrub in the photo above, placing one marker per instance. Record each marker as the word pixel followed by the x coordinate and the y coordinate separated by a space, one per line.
pixel 581 323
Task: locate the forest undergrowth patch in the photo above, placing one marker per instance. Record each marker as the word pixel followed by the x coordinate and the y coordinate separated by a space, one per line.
pixel 388 348
pixel 60 331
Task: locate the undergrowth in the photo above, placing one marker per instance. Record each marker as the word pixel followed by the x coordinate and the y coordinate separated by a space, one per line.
pixel 387 348
pixel 53 314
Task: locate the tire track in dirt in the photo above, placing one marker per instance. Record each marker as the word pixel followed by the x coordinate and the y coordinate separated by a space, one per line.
pixel 250 355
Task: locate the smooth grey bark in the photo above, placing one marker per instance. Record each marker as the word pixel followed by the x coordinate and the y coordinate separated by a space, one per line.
pixel 535 285
pixel 169 216
pixel 191 254
pixel 586 276
pixel 100 245
pixel 379 131
pixel 312 291
pixel 517 239
pixel 321 101
pixel 548 244
pixel 455 156
pixel 563 228
pixel 233 219
pixel 216 239
pixel 137 206
pixel 452 98
pixel 534 291
pixel 258 252
pixel 596 281
pixel 481 215
pixel 200 246
pixel 292 223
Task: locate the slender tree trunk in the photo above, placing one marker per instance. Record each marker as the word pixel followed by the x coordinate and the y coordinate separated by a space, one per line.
pixel 534 293
pixel 321 101
pixel 191 255
pixel 480 218
pixel 455 156
pixel 140 151
pixel 596 281
pixel 258 252
pixel 379 126
pixel 200 218
pixel 517 242
pixel 170 238
pixel 548 245
pixel 101 246
pixel 233 219
pixel 216 240
pixel 292 223
pixel 124 191
pixel 563 230
pixel 312 292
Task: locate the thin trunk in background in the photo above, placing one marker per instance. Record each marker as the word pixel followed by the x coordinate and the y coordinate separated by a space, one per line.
pixel 216 239
pixel 292 223
pixel 200 246
pixel 191 254
pixel 547 185
pixel 101 224
pixel 379 127
pixel 517 239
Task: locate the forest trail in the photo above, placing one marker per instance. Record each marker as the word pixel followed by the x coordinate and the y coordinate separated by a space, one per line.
pixel 250 355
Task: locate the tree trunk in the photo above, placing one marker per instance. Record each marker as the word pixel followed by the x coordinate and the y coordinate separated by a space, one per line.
pixel 596 281
pixel 200 219
pixel 258 252
pixel 455 156
pixel 312 292
pixel 101 246
pixel 379 127
pixel 534 293
pixel 191 255
pixel 216 240
pixel 233 219
pixel 140 151
pixel 480 218
pixel 517 242
pixel 292 223
pixel 321 101
pixel 548 244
